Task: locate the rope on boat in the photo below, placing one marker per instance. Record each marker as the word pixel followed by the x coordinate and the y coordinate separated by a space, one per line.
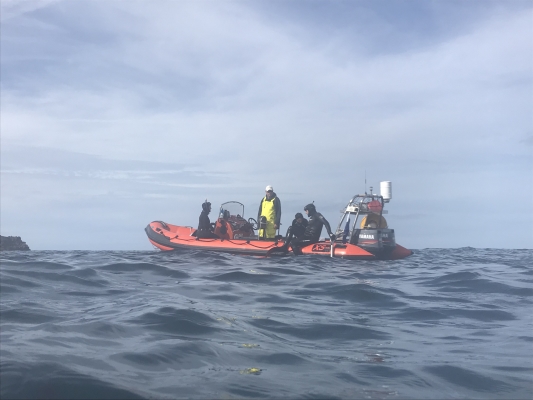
pixel 228 240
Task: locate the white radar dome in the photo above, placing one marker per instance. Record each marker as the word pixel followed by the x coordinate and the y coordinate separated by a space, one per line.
pixel 385 189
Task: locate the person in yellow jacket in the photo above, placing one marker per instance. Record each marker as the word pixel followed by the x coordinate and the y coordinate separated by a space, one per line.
pixel 270 209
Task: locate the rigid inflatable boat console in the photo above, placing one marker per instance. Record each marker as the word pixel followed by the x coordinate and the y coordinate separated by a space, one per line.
pixel 362 223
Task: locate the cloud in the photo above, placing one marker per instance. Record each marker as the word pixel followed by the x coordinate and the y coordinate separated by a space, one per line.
pixel 10 9
pixel 255 93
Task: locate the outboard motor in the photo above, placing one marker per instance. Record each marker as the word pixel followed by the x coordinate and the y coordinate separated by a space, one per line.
pixel 380 242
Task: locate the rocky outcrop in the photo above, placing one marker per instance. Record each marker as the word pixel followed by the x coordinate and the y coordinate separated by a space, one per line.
pixel 12 243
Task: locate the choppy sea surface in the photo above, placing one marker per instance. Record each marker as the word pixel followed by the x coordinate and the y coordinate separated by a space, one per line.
pixel 441 324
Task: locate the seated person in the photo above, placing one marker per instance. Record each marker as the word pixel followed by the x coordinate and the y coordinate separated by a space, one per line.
pixel 297 229
pixel 205 229
pixel 312 231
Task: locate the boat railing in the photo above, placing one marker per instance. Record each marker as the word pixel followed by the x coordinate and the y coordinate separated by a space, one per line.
pixel 358 205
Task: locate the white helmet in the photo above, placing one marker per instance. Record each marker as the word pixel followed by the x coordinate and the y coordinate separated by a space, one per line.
pixel 269 188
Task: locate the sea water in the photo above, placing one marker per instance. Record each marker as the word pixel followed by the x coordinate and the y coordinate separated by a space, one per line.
pixel 441 324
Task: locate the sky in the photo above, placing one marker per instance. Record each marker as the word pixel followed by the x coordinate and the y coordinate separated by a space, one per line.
pixel 118 113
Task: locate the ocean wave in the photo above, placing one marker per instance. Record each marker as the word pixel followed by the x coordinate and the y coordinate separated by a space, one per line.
pixel 142 267
pixel 467 379
pixel 240 276
pixel 177 321
pixel 53 381
pixel 443 323
pixel 59 277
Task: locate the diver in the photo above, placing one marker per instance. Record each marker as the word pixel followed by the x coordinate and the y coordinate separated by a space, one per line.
pixel 205 229
pixel 297 229
pixel 312 231
pixel 269 212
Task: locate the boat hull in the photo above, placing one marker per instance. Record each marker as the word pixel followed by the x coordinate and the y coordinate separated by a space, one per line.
pixel 167 237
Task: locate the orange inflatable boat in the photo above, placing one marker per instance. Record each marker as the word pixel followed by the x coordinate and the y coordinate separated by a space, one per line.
pixel 367 239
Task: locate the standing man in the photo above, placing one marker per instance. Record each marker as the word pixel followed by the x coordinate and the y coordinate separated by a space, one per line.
pixel 270 209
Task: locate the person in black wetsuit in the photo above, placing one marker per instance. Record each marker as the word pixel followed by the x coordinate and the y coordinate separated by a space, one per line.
pixel 297 229
pixel 205 229
pixel 312 231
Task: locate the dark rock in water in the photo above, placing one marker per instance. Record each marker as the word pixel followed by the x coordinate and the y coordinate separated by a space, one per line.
pixel 12 243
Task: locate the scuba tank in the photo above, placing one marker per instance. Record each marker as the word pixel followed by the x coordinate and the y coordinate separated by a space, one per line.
pixel 263 225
